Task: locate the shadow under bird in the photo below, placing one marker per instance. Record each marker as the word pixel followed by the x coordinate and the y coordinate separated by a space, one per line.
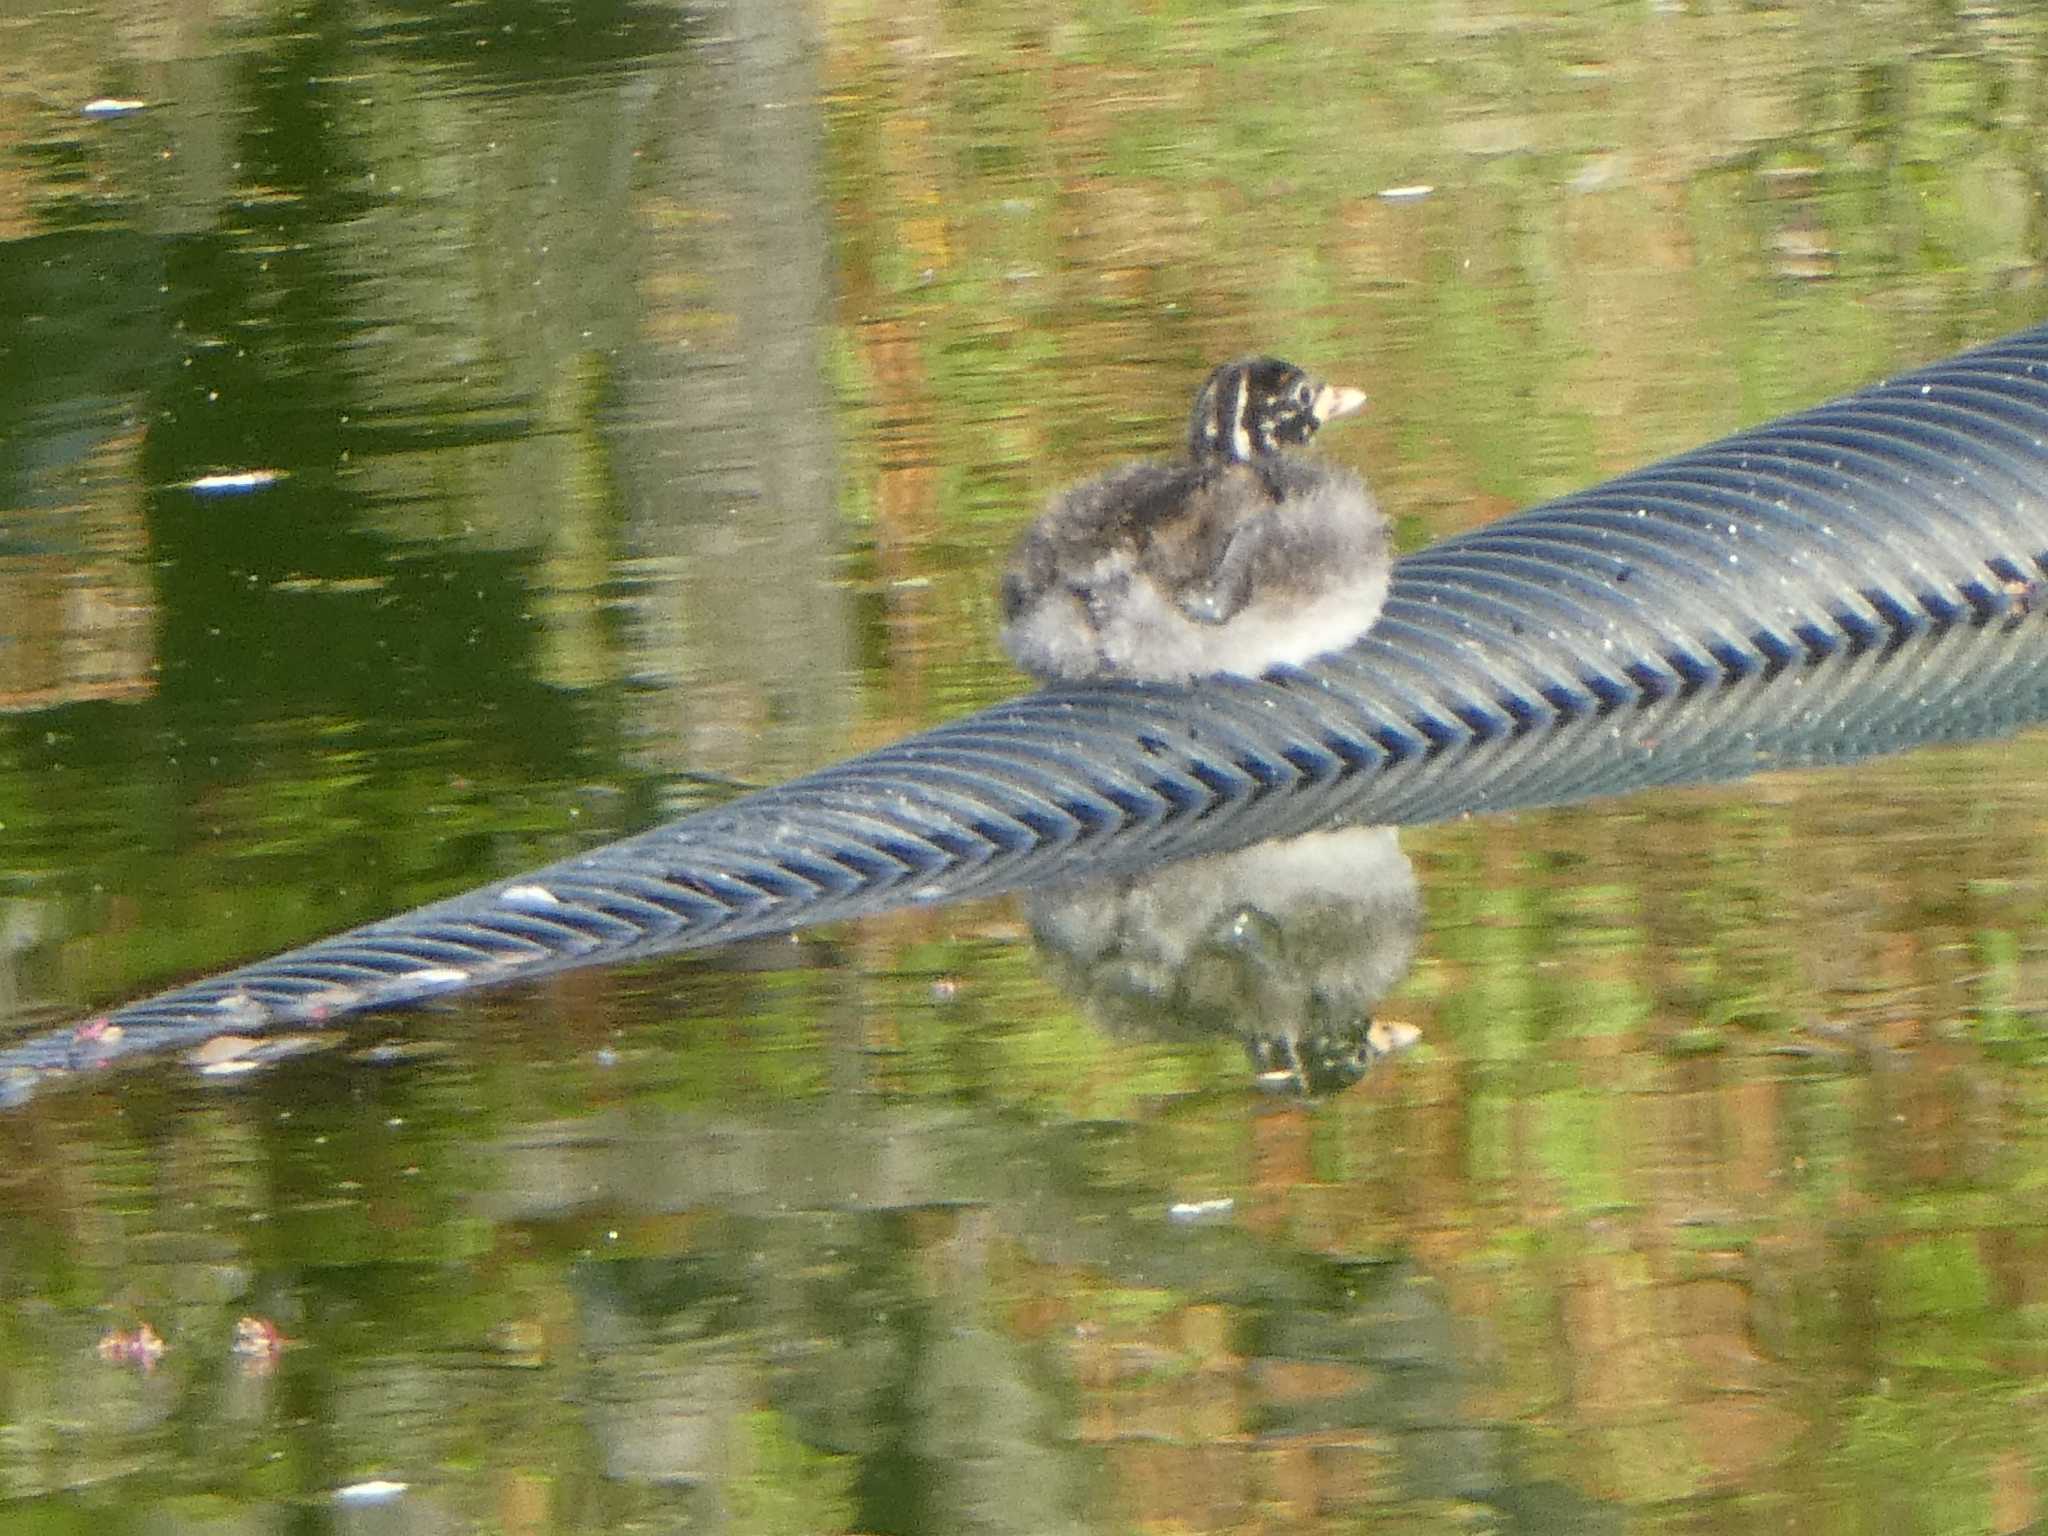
pixel 1235 558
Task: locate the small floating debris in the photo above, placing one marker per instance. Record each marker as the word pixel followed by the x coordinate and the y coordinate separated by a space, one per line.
pixel 1414 193
pixel 141 1346
pixel 239 1055
pixel 333 586
pixel 1196 1213
pixel 112 106
pixel 239 483
pixel 376 1490
pixel 529 896
pixel 259 1341
pixel 399 1053
pixel 236 1065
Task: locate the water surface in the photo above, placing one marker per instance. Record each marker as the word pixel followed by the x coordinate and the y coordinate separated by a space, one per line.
pixel 622 404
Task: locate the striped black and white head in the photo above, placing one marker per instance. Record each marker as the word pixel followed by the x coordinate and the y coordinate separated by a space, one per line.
pixel 1260 405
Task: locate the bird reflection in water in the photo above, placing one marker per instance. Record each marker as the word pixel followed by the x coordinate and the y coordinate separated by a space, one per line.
pixel 1288 945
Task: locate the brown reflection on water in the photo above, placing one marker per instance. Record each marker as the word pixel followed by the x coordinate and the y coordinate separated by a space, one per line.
pixel 80 620
pixel 1566 1258
pixel 728 432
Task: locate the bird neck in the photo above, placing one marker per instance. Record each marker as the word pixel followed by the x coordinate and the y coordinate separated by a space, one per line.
pixel 1262 469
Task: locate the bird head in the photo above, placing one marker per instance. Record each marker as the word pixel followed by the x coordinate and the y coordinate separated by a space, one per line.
pixel 1259 405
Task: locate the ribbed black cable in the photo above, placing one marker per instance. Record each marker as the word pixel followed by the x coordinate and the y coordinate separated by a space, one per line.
pixel 1857 578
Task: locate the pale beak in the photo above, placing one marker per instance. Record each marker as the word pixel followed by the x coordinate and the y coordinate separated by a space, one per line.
pixel 1333 400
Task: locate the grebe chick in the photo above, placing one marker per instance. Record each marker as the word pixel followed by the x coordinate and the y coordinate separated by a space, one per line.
pixel 1236 558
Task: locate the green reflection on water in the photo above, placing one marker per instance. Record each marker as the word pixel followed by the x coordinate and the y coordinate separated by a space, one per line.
pixel 656 390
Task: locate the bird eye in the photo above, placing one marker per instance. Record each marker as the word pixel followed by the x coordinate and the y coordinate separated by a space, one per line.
pixel 1304 394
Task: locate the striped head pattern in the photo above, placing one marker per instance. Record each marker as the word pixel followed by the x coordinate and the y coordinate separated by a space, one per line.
pixel 1258 405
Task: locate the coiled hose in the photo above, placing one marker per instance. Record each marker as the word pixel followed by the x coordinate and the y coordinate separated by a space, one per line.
pixel 1852 579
